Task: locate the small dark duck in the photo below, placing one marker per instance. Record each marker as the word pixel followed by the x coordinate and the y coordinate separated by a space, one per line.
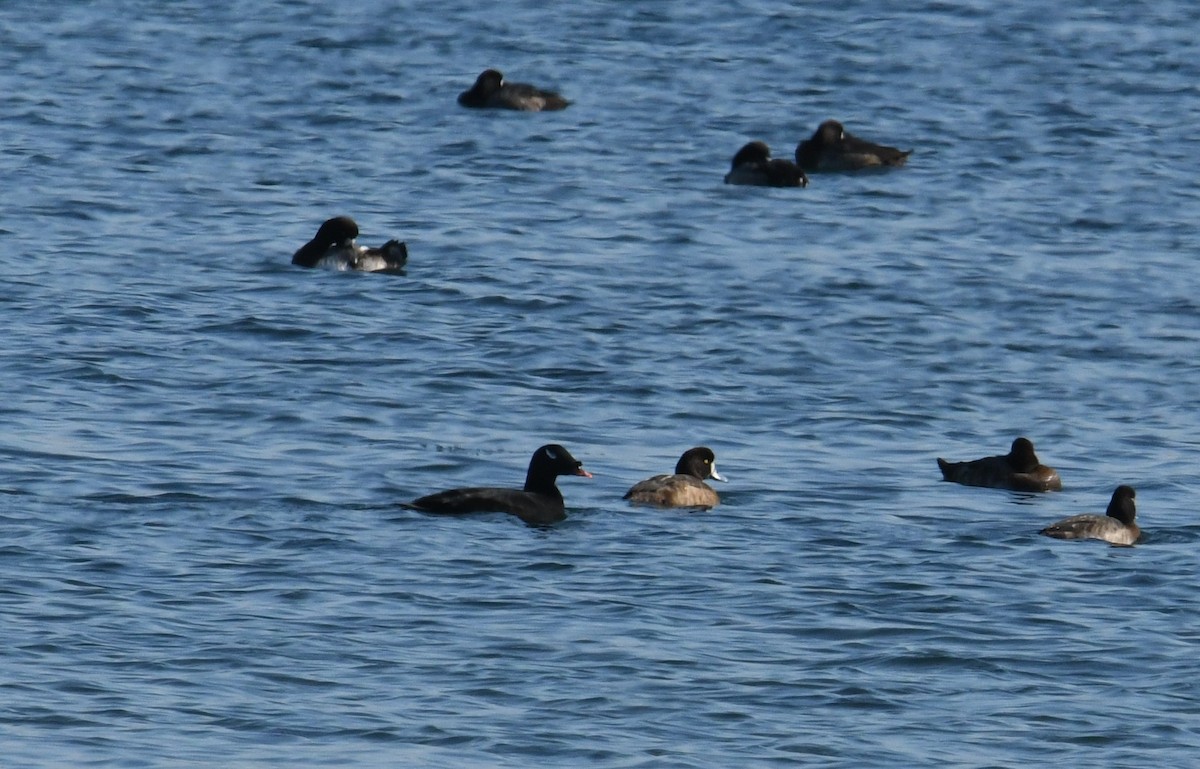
pixel 832 149
pixel 1018 470
pixel 333 248
pixel 753 165
pixel 491 91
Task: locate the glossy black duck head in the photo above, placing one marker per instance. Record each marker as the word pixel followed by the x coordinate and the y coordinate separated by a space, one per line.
pixel 754 152
pixel 699 462
pixel 1121 506
pixel 549 462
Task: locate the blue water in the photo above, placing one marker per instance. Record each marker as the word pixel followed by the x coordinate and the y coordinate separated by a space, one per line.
pixel 204 562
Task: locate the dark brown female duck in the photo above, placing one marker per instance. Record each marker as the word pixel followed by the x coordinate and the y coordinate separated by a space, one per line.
pixel 753 165
pixel 1018 470
pixel 492 92
pixel 686 488
pixel 832 149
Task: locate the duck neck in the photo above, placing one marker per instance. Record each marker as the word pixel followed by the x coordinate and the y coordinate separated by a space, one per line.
pixel 1022 463
pixel 1123 510
pixel 309 254
pixel 542 483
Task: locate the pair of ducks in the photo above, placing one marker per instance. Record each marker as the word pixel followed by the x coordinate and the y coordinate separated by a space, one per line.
pixel 334 248
pixel 1020 470
pixel 831 148
pixel 540 502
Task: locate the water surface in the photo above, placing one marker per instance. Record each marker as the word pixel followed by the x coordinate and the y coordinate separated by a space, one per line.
pixel 205 560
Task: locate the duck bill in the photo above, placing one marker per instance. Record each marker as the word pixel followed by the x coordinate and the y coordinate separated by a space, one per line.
pixel 717 477
pixel 584 473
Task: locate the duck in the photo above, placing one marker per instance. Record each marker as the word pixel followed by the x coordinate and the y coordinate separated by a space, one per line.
pixel 333 247
pixel 831 148
pixel 753 165
pixel 491 91
pixel 686 488
pixel 1018 470
pixel 1116 526
pixel 539 503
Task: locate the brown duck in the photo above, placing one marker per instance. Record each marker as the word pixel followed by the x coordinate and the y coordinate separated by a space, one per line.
pixel 832 148
pixel 686 488
pixel 492 91
pixel 1018 470
pixel 754 166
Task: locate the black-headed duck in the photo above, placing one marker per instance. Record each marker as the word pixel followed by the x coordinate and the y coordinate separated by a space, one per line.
pixel 832 149
pixel 686 488
pixel 1116 526
pixel 491 91
pixel 753 165
pixel 1018 470
pixel 538 504
pixel 333 248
